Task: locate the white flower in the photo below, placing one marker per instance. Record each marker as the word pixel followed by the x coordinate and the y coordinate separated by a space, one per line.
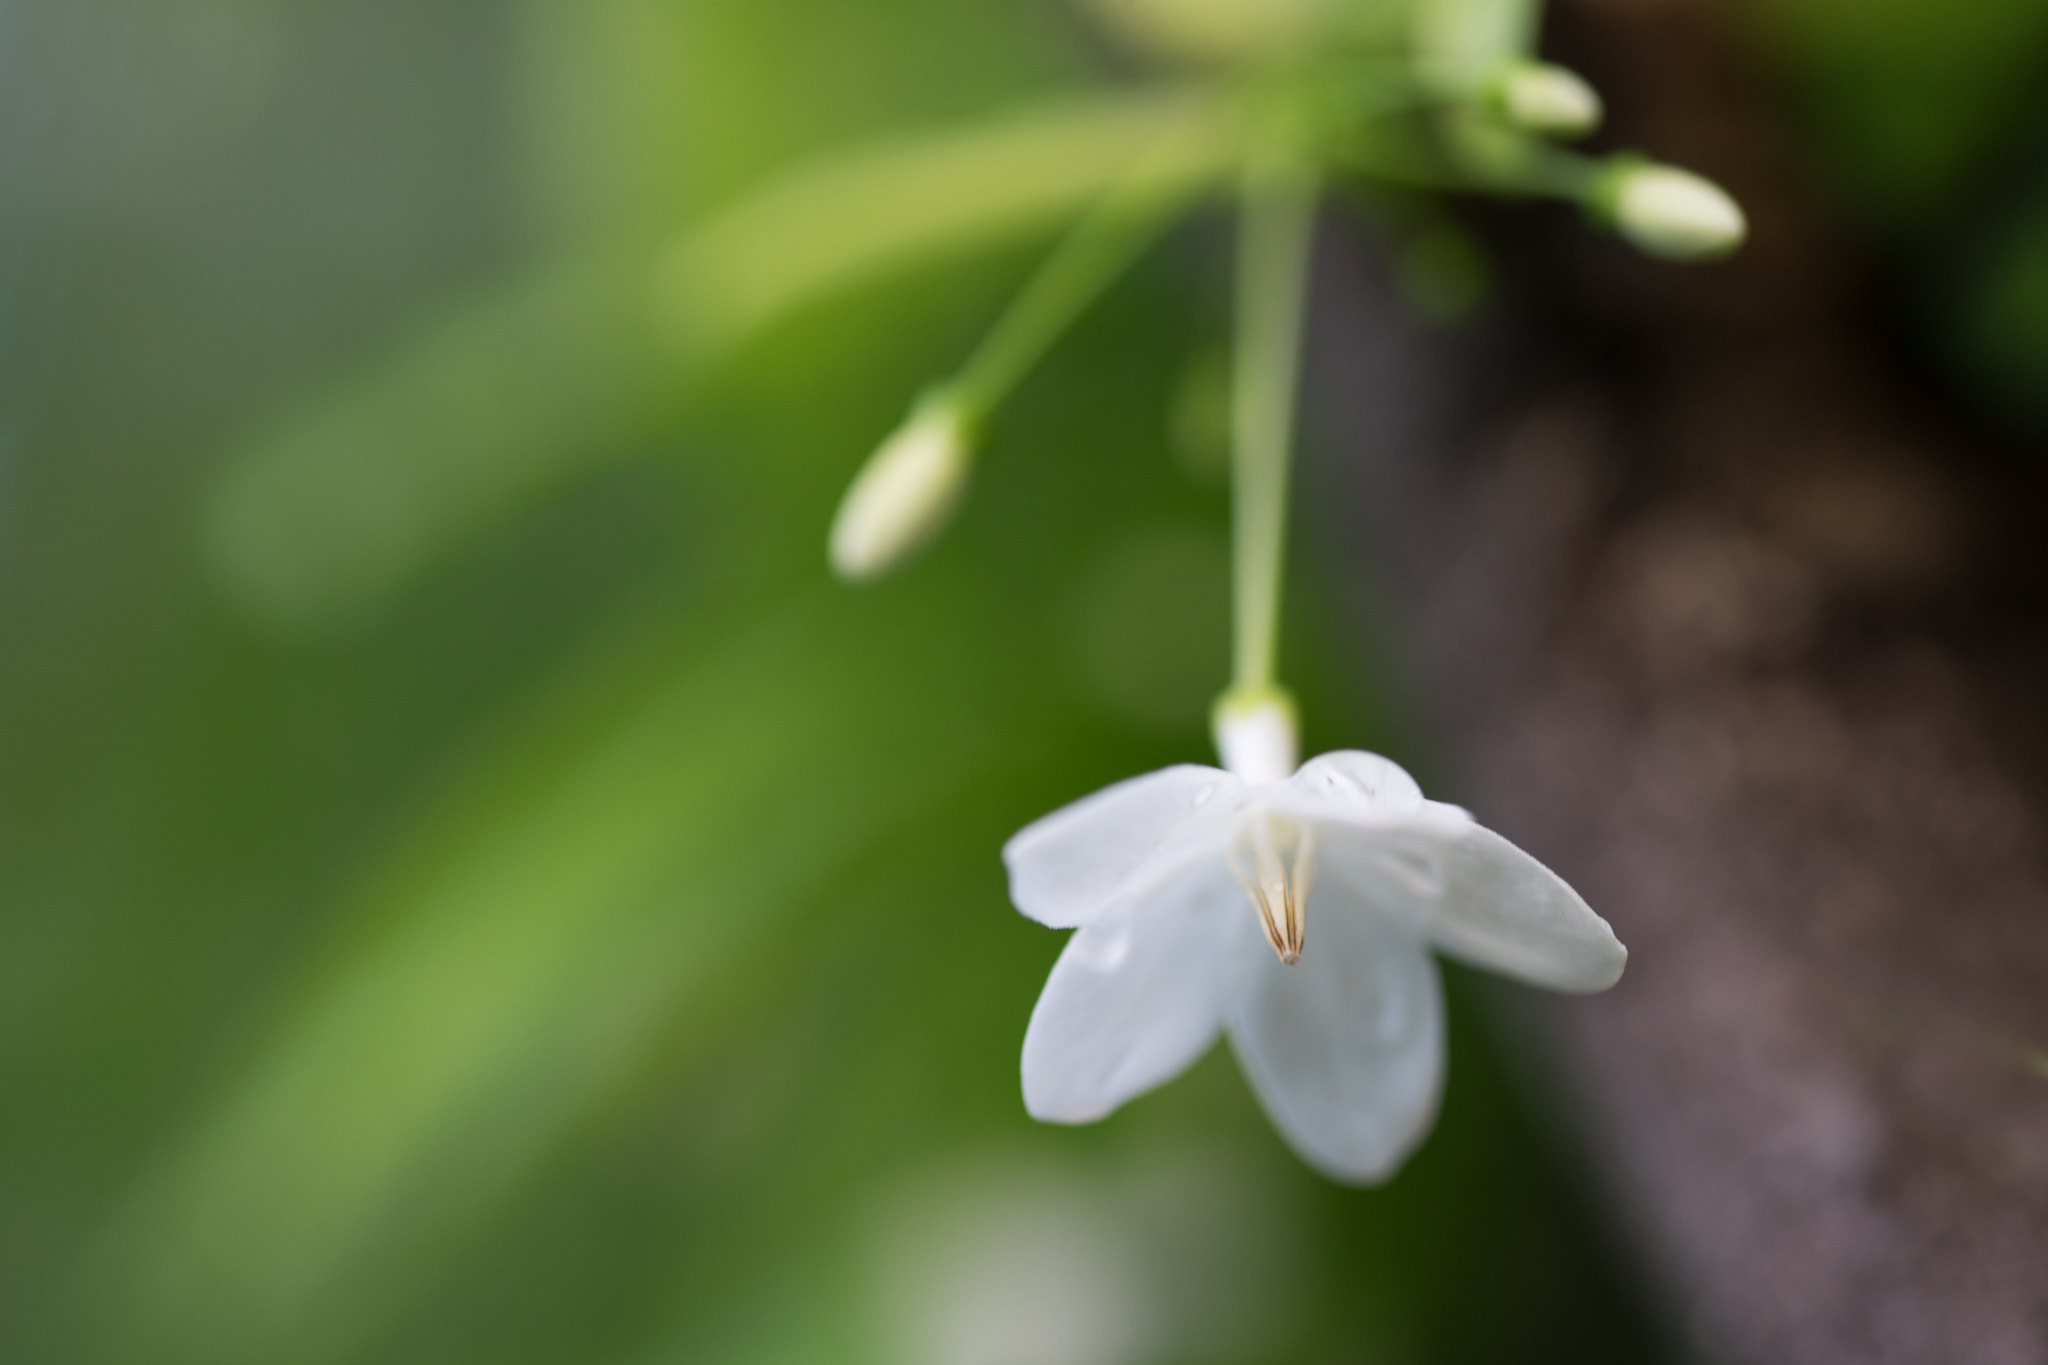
pixel 1295 914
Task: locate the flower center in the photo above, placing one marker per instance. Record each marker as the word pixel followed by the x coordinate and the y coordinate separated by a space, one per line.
pixel 1274 859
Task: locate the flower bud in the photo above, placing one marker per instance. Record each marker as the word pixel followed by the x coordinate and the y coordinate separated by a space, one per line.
pixel 1668 212
pixel 904 495
pixel 1540 98
pixel 1256 733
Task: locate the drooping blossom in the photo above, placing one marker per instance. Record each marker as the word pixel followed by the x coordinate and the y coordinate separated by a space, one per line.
pixel 1296 914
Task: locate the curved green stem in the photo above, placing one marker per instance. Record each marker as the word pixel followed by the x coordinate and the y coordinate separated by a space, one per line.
pixel 1272 290
pixel 1094 252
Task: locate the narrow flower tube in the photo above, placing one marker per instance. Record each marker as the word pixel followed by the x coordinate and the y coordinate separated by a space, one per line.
pixel 904 495
pixel 1668 212
pixel 1541 98
pixel 1257 733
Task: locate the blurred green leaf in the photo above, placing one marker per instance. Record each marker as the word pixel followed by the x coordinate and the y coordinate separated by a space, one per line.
pixel 328 513
pixel 841 221
pixel 331 510
pixel 1907 99
pixel 1989 309
pixel 521 958
pixel 1463 41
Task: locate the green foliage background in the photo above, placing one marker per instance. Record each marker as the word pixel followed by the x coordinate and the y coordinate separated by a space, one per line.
pixel 471 887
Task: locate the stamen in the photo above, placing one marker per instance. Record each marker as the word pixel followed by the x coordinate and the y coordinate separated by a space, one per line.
pixel 1274 859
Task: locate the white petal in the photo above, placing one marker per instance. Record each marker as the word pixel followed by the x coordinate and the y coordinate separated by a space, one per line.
pixel 1396 862
pixel 1502 909
pixel 1374 831
pixel 1068 866
pixel 1345 1048
pixel 1357 781
pixel 1136 997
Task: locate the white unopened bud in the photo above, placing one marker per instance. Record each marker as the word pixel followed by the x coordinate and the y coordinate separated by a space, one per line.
pixel 1668 212
pixel 904 495
pixel 1256 734
pixel 1546 99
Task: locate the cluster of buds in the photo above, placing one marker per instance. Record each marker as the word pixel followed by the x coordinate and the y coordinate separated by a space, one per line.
pixel 1664 211
pixel 1469 55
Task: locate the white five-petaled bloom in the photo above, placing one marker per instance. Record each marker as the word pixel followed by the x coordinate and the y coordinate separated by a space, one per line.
pixel 1296 915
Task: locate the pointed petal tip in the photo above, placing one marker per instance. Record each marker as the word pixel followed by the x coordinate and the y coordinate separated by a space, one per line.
pixel 1603 970
pixel 1050 1109
pixel 1592 965
pixel 1365 1169
pixel 1358 1177
pixel 1345 1050
pixel 1504 911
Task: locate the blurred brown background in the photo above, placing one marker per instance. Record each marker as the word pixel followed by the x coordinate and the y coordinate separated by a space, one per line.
pixel 1729 589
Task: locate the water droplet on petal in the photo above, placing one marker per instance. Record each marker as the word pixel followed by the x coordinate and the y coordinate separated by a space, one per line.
pixel 1102 950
